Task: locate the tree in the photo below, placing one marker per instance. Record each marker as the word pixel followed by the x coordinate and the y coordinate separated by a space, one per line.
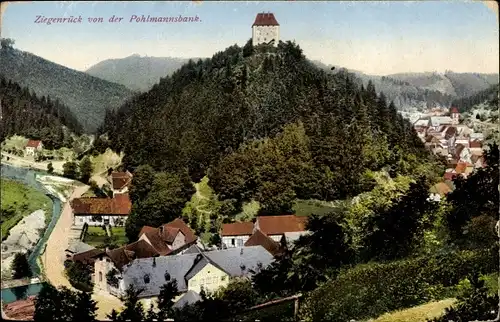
pixel 134 310
pixel 7 43
pixel 142 182
pixel 392 233
pixel 85 169
pixel 168 293
pixel 475 196
pixel 64 305
pixel 473 304
pixel 70 170
pixel 80 276
pixel 164 201
pixel 50 168
pixel 20 266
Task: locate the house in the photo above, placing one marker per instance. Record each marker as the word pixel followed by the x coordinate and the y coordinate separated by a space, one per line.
pixel 101 211
pixel 265 29
pixel 455 116
pixel 207 270
pixel 437 121
pixel 476 136
pixel 120 181
pixel 33 146
pixel 439 191
pixel 259 238
pixel 169 238
pixel 75 247
pixel 475 146
pixel 237 234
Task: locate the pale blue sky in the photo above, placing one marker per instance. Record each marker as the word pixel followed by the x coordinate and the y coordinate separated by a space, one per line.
pixel 374 37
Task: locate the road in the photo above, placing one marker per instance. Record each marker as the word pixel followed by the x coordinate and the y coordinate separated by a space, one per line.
pixel 27 163
pixel 54 256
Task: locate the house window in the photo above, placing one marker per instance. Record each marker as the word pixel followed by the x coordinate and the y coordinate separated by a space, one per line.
pixel 167 276
pixel 232 241
pixel 146 279
pixel 223 278
pixel 100 276
pixel 240 242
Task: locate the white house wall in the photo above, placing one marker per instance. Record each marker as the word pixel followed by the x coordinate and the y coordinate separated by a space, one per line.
pixel 241 240
pixel 113 220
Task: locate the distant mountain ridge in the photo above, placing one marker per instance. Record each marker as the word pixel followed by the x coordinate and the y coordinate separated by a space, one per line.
pixel 87 97
pixel 426 89
pixel 136 72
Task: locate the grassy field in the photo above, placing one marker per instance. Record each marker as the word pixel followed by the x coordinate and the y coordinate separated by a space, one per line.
pixel 103 162
pixel 96 236
pixel 308 207
pixel 118 235
pixel 19 200
pixel 419 313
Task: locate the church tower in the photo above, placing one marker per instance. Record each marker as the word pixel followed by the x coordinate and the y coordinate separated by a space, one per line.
pixel 455 116
pixel 265 28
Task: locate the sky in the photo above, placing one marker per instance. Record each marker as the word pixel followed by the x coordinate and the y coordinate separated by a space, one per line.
pixel 375 37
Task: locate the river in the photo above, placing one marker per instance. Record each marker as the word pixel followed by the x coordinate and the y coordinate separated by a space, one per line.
pixel 28 177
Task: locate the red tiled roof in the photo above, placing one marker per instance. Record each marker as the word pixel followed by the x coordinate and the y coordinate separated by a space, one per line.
pixel 121 180
pixel 461 166
pixel 237 229
pixel 454 110
pixel 258 238
pixel 265 19
pixel 276 225
pixel 87 257
pixel 33 143
pixel 119 205
pixel 125 254
pixel 476 144
pixel 441 188
pixel 161 237
pixel 449 176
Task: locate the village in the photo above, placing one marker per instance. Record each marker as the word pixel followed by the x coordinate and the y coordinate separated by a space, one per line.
pixel 85 237
pixel 456 143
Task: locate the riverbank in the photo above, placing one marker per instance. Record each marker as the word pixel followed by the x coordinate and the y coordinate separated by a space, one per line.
pixel 56 188
pixel 19 200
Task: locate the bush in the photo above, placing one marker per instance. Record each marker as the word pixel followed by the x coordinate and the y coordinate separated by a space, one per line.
pixel 79 276
pixel 372 289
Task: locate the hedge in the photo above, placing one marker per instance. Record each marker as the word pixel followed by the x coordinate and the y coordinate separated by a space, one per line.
pixel 369 290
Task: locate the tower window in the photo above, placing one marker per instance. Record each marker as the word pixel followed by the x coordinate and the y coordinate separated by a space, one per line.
pixel 146 279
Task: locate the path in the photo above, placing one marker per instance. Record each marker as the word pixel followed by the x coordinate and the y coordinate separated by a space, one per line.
pixel 201 197
pixel 27 163
pixel 54 256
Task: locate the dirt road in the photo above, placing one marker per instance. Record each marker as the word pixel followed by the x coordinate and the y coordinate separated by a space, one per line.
pixel 54 256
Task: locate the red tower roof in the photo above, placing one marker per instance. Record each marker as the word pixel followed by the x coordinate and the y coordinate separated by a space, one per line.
pixel 265 19
pixel 454 110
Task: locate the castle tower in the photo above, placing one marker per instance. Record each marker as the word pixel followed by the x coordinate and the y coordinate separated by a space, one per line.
pixel 265 28
pixel 455 116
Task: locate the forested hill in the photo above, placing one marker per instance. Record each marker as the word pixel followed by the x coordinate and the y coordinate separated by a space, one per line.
pixel 427 89
pixel 213 110
pixel 488 97
pixel 136 72
pixel 86 96
pixel 38 117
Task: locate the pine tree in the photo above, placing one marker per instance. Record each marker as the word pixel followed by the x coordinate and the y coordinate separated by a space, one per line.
pixel 85 169
pixel 20 266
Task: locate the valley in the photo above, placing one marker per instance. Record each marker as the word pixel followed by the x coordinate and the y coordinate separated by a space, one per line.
pixel 254 181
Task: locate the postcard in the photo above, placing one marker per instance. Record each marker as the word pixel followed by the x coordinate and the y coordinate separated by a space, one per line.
pixel 249 161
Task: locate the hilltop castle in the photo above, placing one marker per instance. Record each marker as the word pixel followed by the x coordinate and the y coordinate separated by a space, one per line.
pixel 265 29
